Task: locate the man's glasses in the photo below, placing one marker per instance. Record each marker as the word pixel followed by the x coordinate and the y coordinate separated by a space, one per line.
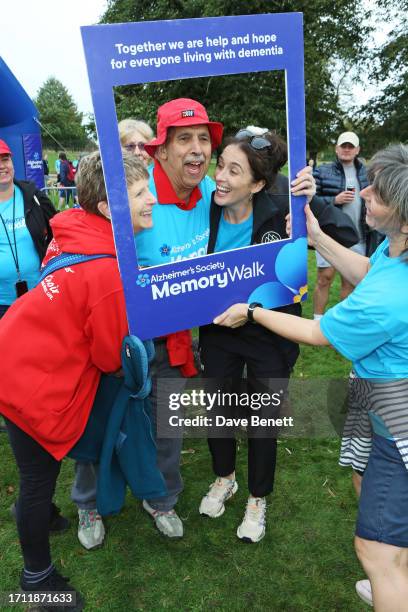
pixel 256 142
pixel 133 146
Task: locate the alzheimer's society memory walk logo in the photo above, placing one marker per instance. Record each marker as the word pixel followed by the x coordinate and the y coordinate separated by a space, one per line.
pixel 163 285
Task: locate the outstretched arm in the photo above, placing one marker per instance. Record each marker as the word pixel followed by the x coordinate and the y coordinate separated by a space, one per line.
pixel 288 326
pixel 352 266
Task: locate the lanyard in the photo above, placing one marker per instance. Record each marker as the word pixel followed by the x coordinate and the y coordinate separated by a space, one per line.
pixel 13 251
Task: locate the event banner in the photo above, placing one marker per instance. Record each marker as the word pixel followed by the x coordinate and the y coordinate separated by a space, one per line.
pixel 33 159
pixel 183 293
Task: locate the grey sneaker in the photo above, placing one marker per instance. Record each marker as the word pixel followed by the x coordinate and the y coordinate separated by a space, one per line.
pixel 363 589
pixel 252 528
pixel 167 522
pixel 222 489
pixel 91 531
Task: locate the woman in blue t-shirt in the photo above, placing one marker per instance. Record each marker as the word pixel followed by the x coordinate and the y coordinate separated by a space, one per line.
pixel 243 213
pixel 370 328
pixel 25 231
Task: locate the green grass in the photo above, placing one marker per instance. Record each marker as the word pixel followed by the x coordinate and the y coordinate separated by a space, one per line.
pixel 305 563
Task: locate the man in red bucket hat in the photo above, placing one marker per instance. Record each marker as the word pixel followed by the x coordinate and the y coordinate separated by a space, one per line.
pixel 182 153
pixel 183 112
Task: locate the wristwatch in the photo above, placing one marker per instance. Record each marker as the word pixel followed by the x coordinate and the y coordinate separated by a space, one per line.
pixel 251 308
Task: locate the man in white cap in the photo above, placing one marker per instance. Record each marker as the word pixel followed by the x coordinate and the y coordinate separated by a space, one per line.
pixel 339 184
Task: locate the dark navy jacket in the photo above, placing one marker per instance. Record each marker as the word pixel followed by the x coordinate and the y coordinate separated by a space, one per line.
pixel 331 180
pixel 38 210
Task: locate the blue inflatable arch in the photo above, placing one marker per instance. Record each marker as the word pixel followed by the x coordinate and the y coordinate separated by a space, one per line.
pixel 19 128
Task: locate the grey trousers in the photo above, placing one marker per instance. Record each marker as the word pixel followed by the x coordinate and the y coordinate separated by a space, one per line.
pixel 83 492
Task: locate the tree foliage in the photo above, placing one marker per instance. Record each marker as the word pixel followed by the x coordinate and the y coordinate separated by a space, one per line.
pixel 384 118
pixel 334 31
pixel 59 116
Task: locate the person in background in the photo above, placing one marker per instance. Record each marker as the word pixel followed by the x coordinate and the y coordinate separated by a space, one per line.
pixel 46 169
pixel 67 174
pixel 339 183
pixel 133 135
pixel 369 327
pixel 25 231
pixel 57 166
pixel 59 338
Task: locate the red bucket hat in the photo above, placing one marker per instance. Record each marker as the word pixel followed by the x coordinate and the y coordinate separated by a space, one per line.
pixel 4 148
pixel 181 112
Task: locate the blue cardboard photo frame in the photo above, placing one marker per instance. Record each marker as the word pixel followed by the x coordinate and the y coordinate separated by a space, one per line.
pixel 188 293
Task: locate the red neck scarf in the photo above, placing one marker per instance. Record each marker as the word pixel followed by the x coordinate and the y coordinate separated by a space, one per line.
pixel 166 193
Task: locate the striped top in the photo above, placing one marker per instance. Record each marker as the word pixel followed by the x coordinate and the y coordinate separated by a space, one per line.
pixel 370 328
pixel 386 399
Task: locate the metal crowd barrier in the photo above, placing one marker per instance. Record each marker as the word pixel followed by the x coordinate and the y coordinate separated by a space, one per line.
pixel 64 202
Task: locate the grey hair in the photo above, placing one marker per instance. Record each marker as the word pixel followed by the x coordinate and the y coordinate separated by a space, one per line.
pixel 388 175
pixel 90 181
pixel 128 126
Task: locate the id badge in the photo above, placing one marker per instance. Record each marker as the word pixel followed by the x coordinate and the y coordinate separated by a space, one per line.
pixel 21 288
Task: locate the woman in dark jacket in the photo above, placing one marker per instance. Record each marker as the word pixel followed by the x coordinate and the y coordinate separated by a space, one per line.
pixel 243 213
pixel 25 231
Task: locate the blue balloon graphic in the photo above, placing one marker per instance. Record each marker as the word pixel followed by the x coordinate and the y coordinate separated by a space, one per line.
pixel 288 266
pixel 272 295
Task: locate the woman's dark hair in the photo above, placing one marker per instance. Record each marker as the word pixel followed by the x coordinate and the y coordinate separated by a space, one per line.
pixel 265 163
pixel 63 156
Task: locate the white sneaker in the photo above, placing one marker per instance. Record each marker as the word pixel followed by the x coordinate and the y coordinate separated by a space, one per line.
pixel 222 489
pixel 252 528
pixel 363 590
pixel 167 522
pixel 91 531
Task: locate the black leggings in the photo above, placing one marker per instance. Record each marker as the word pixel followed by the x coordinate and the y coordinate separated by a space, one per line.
pixel 38 475
pixel 224 359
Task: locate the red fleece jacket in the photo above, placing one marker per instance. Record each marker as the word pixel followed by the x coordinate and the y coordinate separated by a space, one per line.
pixel 57 338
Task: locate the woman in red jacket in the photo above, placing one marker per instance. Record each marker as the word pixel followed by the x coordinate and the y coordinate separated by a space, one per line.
pixel 59 338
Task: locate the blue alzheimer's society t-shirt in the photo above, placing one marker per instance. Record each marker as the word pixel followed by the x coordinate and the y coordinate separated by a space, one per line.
pixel 370 327
pixel 176 234
pixel 233 235
pixel 28 259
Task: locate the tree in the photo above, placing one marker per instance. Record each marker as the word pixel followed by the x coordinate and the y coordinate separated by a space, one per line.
pixel 384 118
pixel 334 32
pixel 59 116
